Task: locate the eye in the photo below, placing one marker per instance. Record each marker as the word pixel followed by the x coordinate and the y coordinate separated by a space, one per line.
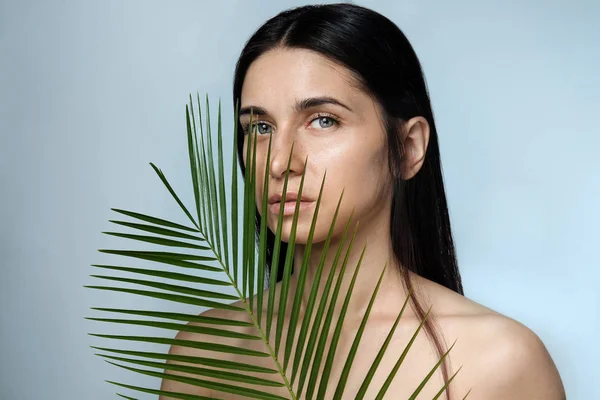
pixel 262 128
pixel 323 122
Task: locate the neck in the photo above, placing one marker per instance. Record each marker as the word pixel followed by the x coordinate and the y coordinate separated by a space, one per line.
pixel 378 254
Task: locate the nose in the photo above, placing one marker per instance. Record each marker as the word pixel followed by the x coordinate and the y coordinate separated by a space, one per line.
pixel 284 149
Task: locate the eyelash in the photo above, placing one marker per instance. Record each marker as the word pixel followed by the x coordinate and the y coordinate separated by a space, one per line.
pixel 335 120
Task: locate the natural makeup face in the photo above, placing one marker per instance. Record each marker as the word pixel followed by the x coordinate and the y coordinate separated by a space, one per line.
pixel 299 96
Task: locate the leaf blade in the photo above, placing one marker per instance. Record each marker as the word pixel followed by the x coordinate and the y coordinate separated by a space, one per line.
pixel 301 280
pixel 338 330
pixel 211 362
pixel 169 287
pixel 158 240
pixel 222 348
pixel 154 220
pixel 170 297
pixel 167 274
pixel 177 316
pixel 368 378
pixel 233 376
pixel 352 353
pixel 179 327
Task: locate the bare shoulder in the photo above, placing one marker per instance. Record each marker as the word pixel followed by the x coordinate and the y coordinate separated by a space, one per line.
pixel 238 324
pixel 500 357
pixel 173 384
pixel 512 362
pixel 181 351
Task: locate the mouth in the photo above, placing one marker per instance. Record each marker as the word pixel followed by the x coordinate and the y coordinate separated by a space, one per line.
pixel 290 203
pixel 289 207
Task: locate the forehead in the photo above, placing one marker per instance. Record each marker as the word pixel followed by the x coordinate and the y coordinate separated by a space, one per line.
pixel 283 75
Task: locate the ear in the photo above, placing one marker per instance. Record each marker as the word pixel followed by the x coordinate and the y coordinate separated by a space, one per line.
pixel 414 142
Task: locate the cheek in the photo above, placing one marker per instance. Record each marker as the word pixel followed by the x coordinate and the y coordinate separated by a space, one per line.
pixel 365 179
pixel 362 169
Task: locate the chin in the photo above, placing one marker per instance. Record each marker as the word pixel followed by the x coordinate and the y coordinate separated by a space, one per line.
pixel 303 227
pixel 302 233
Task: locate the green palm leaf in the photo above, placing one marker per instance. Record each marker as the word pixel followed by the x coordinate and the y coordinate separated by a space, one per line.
pixel 301 365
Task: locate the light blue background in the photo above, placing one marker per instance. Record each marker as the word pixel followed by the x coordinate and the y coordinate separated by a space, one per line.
pixel 91 92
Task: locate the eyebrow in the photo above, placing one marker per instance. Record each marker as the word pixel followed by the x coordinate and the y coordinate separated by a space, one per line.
pixel 300 105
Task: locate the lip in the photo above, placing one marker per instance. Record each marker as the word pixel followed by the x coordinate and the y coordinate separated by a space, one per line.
pixel 290 203
pixel 290 196
pixel 290 207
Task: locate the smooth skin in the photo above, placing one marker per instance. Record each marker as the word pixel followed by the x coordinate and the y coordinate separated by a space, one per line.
pixel 500 357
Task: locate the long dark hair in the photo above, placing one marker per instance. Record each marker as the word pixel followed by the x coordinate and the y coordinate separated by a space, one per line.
pixel 381 58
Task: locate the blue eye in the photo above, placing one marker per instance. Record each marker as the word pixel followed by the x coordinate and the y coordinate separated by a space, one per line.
pixel 324 122
pixel 261 128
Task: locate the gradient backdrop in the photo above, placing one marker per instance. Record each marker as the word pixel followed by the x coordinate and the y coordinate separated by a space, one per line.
pixel 92 91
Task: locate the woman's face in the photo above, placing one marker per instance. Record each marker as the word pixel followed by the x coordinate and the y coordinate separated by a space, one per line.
pixel 300 96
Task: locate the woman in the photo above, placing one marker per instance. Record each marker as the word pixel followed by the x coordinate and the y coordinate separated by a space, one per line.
pixel 344 86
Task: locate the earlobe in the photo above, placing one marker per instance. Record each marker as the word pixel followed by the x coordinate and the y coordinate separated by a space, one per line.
pixel 415 141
